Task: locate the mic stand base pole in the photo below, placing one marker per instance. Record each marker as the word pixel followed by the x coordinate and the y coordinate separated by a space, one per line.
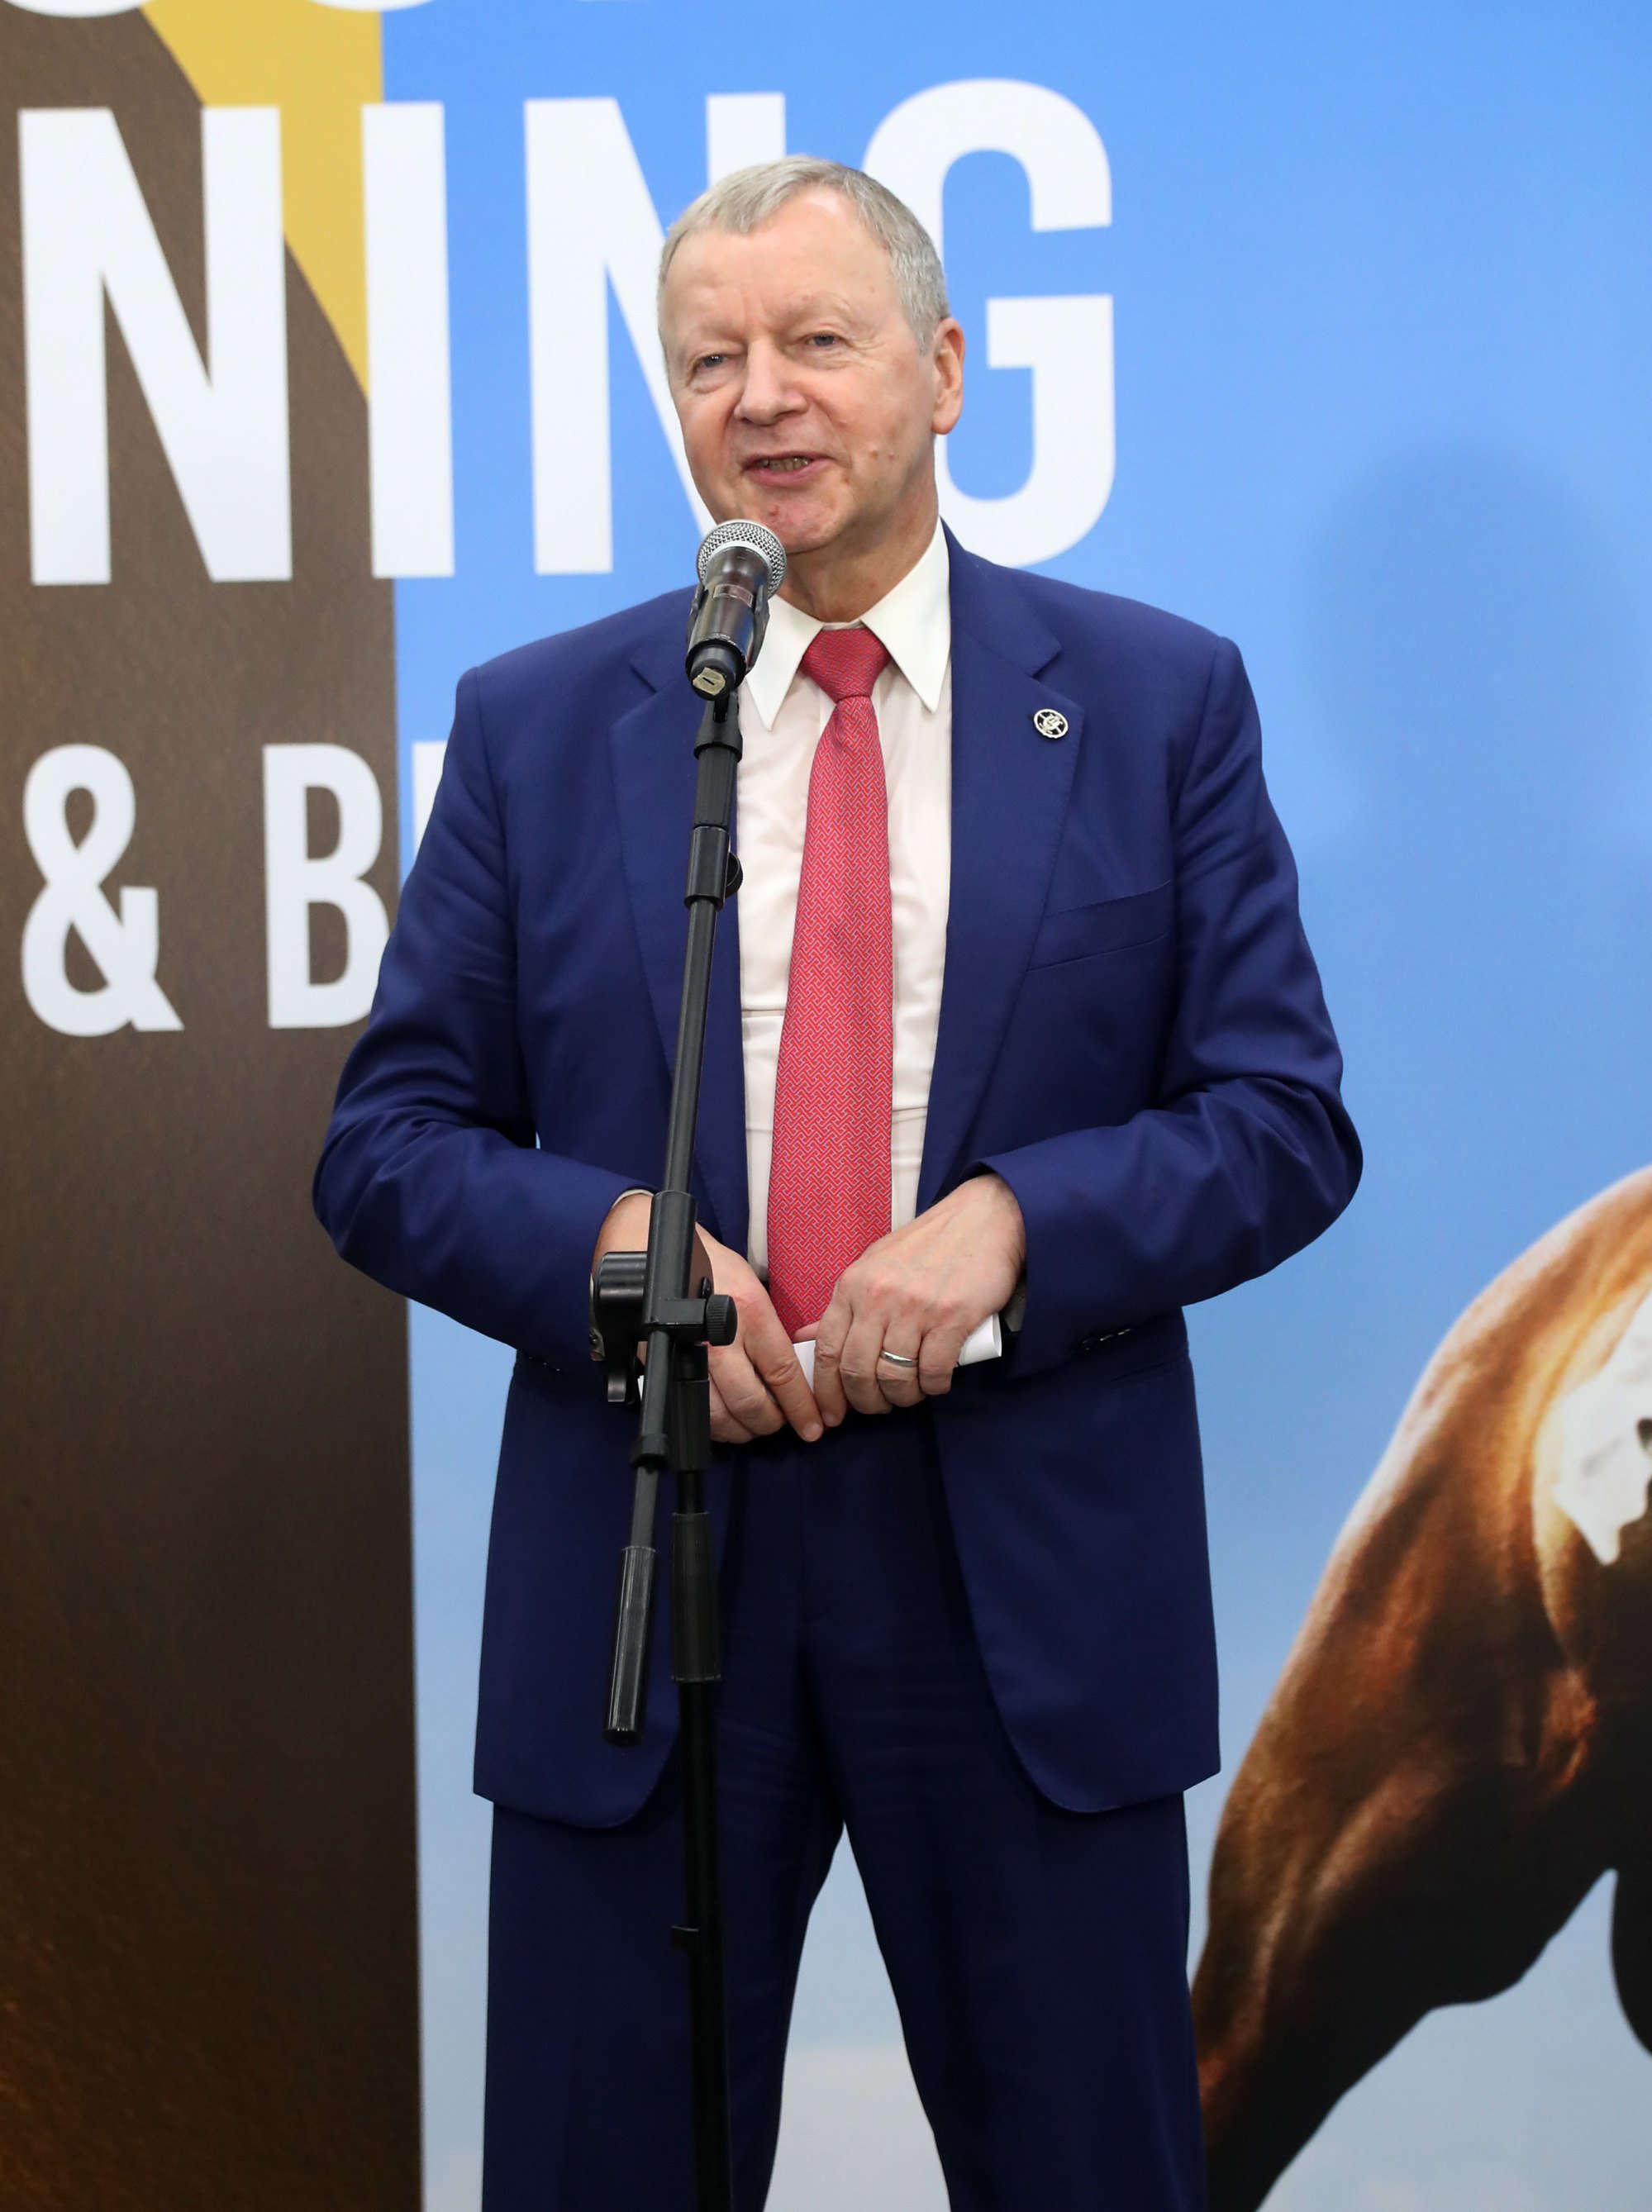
pixel 659 1301
pixel 697 1669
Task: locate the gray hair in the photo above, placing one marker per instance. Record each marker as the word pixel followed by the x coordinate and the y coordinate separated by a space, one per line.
pixel 749 198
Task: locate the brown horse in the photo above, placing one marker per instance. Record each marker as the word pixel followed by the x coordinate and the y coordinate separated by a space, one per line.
pixel 1461 1742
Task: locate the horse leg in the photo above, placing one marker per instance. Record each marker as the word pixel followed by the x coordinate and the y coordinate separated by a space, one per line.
pixel 1631 1946
pixel 1344 1908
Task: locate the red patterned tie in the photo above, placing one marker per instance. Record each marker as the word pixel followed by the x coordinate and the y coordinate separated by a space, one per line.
pixel 829 1187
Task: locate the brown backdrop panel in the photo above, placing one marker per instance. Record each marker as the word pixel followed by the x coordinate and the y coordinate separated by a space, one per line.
pixel 207 1889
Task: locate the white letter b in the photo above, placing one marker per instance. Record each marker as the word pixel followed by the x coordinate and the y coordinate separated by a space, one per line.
pixel 293 882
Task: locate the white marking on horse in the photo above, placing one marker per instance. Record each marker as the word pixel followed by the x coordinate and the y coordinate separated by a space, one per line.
pixel 1605 1442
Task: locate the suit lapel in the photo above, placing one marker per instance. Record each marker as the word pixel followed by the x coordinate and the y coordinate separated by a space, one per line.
pixel 1010 793
pixel 652 748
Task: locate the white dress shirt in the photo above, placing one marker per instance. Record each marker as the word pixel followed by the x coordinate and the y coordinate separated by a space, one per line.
pixel 782 714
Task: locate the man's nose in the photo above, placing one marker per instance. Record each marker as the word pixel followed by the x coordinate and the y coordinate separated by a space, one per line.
pixel 770 391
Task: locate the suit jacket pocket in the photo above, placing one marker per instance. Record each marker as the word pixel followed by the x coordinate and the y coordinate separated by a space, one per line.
pixel 1109 925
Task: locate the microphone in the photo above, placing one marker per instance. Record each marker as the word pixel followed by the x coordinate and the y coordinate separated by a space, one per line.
pixel 740 565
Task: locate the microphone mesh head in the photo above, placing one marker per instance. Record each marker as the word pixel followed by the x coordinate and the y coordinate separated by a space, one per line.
pixel 755 537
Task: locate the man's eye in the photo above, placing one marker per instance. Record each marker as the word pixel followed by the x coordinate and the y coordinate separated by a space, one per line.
pixel 823 338
pixel 711 361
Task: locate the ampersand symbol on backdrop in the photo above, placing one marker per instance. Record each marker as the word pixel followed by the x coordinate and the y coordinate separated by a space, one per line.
pixel 125 944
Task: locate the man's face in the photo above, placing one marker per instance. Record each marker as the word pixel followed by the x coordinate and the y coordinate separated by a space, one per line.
pixel 806 401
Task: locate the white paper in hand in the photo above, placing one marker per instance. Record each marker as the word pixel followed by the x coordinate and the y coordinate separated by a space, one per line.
pixel 986 1342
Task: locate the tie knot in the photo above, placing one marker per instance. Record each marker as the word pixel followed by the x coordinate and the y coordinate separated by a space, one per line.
pixel 846 663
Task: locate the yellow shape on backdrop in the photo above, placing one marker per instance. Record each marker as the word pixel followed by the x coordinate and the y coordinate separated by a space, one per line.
pixel 320 66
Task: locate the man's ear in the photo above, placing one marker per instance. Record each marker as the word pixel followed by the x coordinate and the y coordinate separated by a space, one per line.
pixel 948 360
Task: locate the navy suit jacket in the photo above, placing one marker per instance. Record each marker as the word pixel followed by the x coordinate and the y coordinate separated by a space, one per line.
pixel 1131 1034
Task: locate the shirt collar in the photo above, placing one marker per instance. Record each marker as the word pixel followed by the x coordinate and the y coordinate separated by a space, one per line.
pixel 913 620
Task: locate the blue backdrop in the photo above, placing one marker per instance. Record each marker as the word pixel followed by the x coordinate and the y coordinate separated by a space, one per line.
pixel 1383 344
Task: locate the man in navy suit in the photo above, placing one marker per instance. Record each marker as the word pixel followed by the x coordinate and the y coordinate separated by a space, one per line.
pixel 1019 1011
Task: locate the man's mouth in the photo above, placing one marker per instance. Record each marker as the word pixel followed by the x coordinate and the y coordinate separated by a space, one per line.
pixel 781 465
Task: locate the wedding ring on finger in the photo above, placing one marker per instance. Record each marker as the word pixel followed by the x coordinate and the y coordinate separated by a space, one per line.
pixel 897 1359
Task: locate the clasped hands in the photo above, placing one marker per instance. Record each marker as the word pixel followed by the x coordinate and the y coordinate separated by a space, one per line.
pixel 917 1292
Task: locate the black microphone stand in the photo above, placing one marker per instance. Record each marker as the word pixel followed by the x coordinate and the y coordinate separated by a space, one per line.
pixel 661 1299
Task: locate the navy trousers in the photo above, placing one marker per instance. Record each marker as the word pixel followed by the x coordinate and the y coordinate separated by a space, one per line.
pixel 1037 1956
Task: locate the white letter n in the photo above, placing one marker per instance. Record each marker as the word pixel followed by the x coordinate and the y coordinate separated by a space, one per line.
pixel 591 223
pixel 86 233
